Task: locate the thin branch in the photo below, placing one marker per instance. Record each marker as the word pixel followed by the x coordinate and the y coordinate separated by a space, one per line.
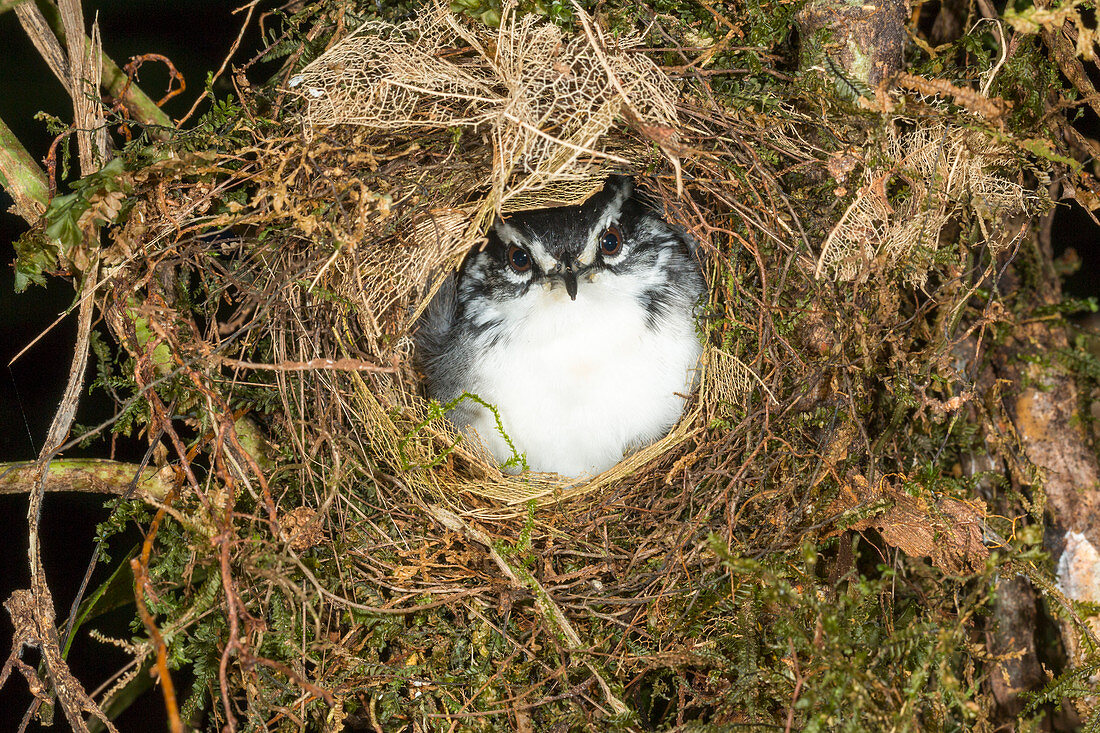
pixel 86 475
pixel 22 177
pixel 251 7
pixel 140 567
pixel 38 31
pixel 336 365
pixel 72 698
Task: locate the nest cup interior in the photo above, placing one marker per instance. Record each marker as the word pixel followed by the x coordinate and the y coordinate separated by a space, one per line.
pixel 473 459
pixel 415 437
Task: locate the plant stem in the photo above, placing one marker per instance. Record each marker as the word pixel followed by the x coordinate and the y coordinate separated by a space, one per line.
pixel 21 176
pixel 86 475
pixel 114 78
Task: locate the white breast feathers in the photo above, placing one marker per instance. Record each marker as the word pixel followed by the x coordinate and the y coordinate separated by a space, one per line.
pixel 579 383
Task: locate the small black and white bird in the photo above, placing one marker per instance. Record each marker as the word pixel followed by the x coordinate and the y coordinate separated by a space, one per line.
pixel 576 323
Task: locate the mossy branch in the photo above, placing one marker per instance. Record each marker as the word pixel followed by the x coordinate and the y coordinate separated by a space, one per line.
pixel 21 176
pixel 86 475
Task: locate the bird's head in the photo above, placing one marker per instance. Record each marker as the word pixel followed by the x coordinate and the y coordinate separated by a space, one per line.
pixel 613 237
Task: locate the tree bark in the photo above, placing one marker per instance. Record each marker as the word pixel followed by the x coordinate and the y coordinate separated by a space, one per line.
pixel 859 45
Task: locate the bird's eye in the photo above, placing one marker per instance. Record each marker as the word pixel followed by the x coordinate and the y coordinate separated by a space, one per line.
pixel 612 241
pixel 519 259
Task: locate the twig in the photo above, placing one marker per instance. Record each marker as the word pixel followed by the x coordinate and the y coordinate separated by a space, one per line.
pixel 74 701
pixel 232 50
pixel 26 615
pixel 336 365
pixel 85 475
pixel 174 75
pixel 140 567
pixel 38 31
pixel 992 73
pixel 21 177
pixel 51 175
pixel 120 85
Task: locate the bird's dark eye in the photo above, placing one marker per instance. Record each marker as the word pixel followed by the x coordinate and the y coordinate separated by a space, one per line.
pixel 611 241
pixel 519 259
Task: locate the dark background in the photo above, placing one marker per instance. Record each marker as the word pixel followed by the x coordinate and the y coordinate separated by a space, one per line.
pixel 196 36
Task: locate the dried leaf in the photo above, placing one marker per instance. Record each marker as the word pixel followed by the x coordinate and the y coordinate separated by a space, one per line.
pixel 949 531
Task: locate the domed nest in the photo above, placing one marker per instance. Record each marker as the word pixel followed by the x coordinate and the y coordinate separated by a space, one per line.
pixel 376 571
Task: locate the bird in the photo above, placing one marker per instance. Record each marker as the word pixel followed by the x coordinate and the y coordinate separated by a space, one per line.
pixel 568 337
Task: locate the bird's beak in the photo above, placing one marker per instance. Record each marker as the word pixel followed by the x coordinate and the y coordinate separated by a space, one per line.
pixel 570 278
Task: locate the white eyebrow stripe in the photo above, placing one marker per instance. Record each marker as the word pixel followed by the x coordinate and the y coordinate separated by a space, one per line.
pixel 610 216
pixel 512 236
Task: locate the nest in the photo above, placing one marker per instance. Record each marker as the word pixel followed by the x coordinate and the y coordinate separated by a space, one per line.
pixel 546 108
pixel 284 276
